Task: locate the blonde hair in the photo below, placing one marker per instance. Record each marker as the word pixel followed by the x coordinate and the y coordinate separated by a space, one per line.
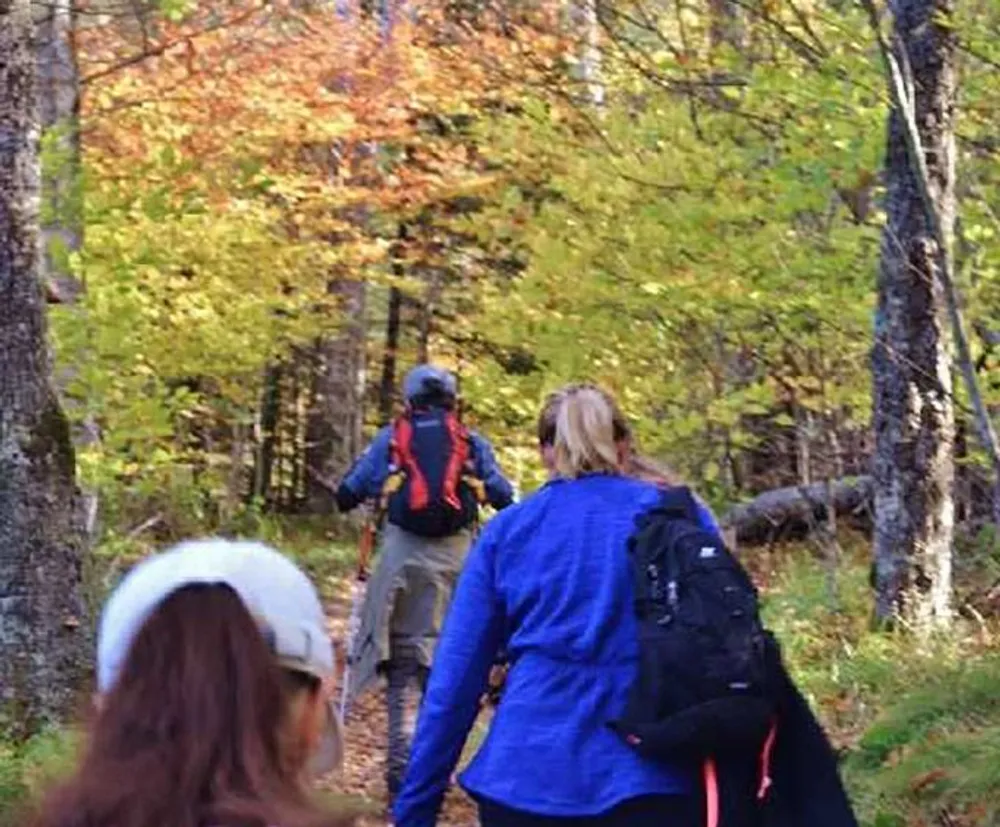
pixel 649 470
pixel 585 428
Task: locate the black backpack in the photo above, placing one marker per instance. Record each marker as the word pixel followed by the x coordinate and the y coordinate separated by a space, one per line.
pixel 432 459
pixel 702 689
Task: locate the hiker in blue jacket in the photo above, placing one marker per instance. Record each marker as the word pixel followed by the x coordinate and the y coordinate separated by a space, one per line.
pixel 549 581
pixel 429 475
pixel 426 387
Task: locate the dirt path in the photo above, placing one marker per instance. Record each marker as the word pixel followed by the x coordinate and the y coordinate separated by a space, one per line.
pixel 361 785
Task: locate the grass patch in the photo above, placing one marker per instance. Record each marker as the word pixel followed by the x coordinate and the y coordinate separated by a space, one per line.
pixel 26 770
pixel 933 755
pixel 325 547
pixel 917 722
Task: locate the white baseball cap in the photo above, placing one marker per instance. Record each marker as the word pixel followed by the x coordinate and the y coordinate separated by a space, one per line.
pixel 275 591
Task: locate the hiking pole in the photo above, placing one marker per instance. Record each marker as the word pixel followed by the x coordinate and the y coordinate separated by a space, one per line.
pixel 366 545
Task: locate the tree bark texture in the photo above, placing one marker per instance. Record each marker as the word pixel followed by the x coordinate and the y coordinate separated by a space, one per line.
pixel 913 467
pixel 43 641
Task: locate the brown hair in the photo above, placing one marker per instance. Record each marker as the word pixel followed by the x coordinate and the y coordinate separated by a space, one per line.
pixel 195 731
pixel 585 427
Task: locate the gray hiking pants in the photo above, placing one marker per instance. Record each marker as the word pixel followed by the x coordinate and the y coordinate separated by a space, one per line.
pixel 406 678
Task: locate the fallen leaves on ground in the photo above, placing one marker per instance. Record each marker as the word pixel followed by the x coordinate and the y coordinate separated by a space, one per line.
pixel 361 784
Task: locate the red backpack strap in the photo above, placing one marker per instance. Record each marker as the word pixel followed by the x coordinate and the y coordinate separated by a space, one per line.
pixel 766 755
pixel 402 448
pixel 456 462
pixel 710 775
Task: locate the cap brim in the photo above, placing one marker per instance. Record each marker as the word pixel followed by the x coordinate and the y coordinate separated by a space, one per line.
pixel 329 755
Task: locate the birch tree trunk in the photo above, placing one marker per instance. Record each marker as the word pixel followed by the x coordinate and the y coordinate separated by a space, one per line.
pixel 42 633
pixel 590 52
pixel 585 24
pixel 914 419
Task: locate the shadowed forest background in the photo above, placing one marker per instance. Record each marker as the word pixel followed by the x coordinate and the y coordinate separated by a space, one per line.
pixel 258 216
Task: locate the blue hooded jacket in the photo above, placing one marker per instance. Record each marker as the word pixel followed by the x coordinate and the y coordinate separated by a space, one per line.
pixel 549 580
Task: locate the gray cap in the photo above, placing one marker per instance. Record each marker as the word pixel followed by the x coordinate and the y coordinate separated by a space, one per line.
pixel 427 379
pixel 275 591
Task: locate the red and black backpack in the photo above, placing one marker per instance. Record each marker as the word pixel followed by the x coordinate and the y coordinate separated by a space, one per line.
pixel 432 456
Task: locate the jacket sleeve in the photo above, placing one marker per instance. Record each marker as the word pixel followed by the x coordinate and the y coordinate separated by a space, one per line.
pixel 499 491
pixel 367 476
pixel 807 788
pixel 472 634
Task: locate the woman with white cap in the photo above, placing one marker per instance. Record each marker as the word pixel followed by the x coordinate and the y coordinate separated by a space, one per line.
pixel 214 669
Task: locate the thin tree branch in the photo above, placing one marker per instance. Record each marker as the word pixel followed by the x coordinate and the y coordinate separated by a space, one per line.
pixel 161 48
pixel 975 53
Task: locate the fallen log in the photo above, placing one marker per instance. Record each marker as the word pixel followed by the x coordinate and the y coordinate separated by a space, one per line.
pixel 795 512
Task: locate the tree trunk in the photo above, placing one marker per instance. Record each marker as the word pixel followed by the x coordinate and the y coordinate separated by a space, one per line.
pixel 236 481
pixel 296 422
pixel 726 26
pixel 427 310
pixel 59 109
pixel 62 197
pixel 387 387
pixel 590 52
pixel 267 435
pixel 336 415
pixel 43 641
pixel 913 466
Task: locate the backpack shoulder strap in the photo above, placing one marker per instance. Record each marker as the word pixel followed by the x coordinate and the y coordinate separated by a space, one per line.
pixel 678 502
pixel 460 447
pixel 402 451
pixel 643 552
pixel 652 545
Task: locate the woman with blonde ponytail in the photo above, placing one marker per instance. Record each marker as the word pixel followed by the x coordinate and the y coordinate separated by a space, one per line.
pixel 549 581
pixel 589 435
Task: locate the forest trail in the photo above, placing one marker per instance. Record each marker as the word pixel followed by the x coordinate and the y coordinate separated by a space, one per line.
pixel 361 785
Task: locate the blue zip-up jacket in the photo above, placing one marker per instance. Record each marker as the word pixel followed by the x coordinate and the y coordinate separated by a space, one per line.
pixel 368 474
pixel 550 580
